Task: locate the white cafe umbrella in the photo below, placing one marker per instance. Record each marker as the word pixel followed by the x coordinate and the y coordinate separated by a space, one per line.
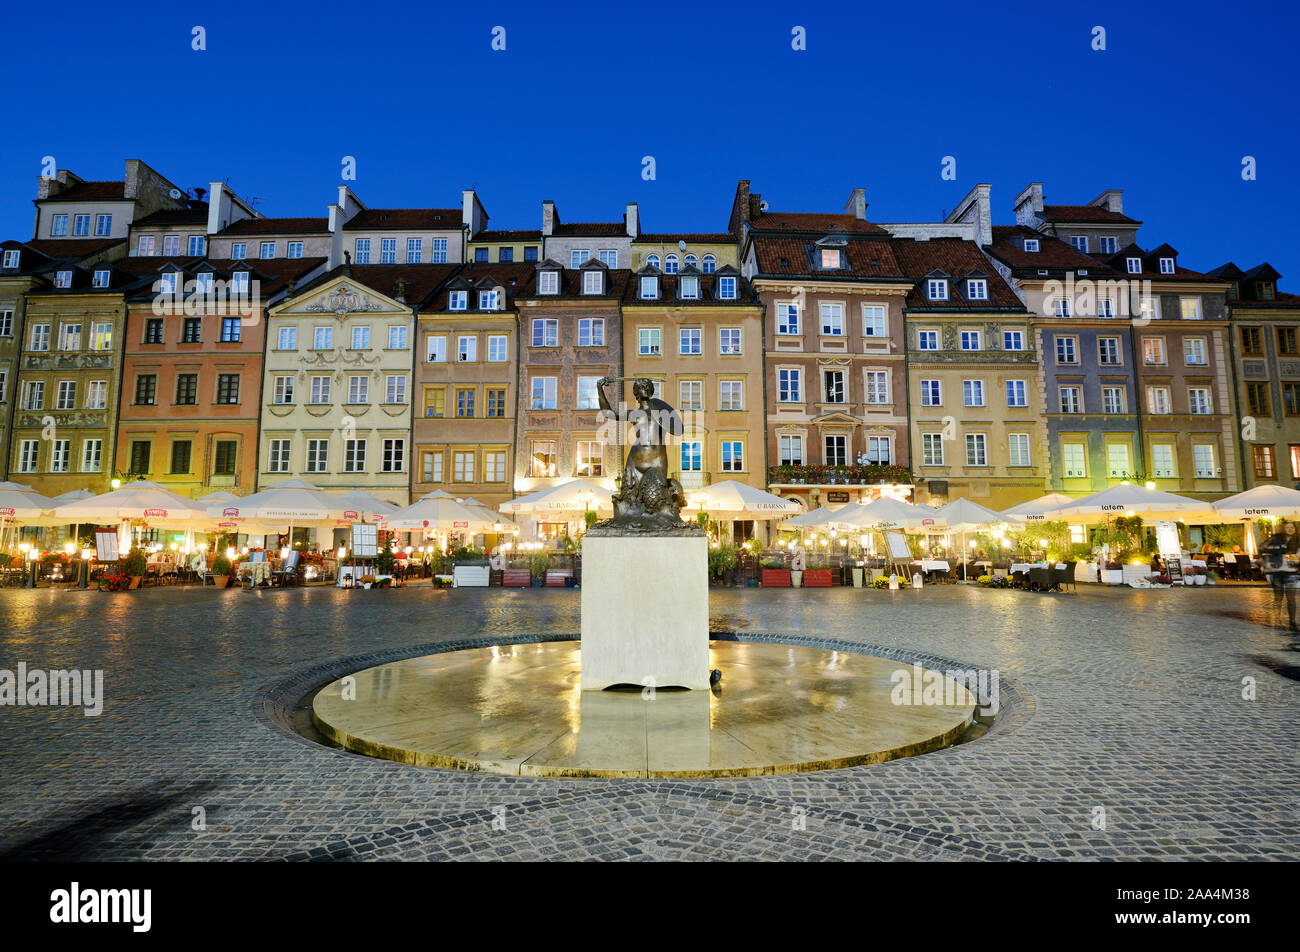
pixel 810 519
pixel 731 499
pixel 564 497
pixel 292 502
pixel 964 516
pixel 22 505
pixel 72 495
pixel 1036 510
pixel 436 512
pixel 1262 502
pixel 889 513
pixel 140 500
pixel 1130 499
pixel 473 505
pixel 369 507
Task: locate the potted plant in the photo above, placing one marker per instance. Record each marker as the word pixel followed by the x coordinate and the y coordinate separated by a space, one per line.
pixel 722 562
pixel 367 580
pixel 385 561
pixel 114 582
pixel 880 581
pixel 1112 573
pixel 134 566
pixel 221 569
pixel 538 563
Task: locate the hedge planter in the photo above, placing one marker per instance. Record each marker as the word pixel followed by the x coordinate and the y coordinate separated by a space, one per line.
pixel 817 578
pixel 775 578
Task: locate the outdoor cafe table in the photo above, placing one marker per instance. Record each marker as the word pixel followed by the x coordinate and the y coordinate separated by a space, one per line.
pixel 1026 566
pixel 932 565
pixel 258 572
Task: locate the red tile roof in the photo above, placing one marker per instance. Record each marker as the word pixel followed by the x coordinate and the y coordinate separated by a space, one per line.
pixel 65 248
pixel 274 274
pixel 196 214
pixel 421 279
pixel 715 237
pixel 822 223
pixel 90 192
pixel 1052 254
pixel 275 226
pixel 596 229
pixel 515 277
pixel 957 259
pixel 668 284
pixel 520 235
pixel 379 219
pixel 1082 214
pixel 789 256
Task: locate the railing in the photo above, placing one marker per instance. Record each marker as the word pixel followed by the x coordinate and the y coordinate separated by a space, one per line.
pixel 825 475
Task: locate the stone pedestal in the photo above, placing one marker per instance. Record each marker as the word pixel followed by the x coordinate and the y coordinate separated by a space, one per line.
pixel 645 611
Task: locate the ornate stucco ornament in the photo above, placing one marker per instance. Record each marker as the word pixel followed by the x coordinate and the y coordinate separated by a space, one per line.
pixel 344 300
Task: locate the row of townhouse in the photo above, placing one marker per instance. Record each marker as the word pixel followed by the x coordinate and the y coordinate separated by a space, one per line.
pixel 146 331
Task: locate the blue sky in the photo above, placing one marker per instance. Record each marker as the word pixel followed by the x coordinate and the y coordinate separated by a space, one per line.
pixel 713 91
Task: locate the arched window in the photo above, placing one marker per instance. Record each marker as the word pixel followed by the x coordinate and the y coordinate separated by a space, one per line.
pixel 691 261
pixel 710 264
pixel 652 260
pixel 670 264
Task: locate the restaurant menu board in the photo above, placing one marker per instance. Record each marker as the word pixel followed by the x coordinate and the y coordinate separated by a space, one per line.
pixel 1167 540
pixel 898 550
pixel 105 545
pixel 365 540
pixel 1174 569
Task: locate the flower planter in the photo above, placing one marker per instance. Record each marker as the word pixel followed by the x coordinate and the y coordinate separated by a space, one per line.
pixel 817 578
pixel 135 582
pixel 1112 576
pixel 796 578
pixel 775 578
pixel 221 581
pixel 1198 579
pixel 857 578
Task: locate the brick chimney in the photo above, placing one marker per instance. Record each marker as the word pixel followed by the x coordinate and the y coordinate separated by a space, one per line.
pixel 1029 206
pixel 550 218
pixel 742 209
pixel 857 204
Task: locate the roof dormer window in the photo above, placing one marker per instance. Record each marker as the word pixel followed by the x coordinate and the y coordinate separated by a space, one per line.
pixel 101 278
pixel 1264 290
pixel 487 300
pixel 831 257
pixel 203 283
pixel 649 290
pixel 1166 265
pixel 548 282
pixel 688 288
pixel 936 289
pixel 457 300
pixel 11 259
pixel 727 288
pixel 1031 244
pixel 63 279
pixel 167 283
pixel 977 289
pixel 593 282
pixel 1134 265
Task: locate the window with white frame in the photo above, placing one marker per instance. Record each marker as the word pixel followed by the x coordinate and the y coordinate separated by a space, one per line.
pixel 1112 399
pixel 1080 243
pixel 66 396
pixel 546 332
pixel 1134 265
pixel 931 449
pixel 497 348
pixel 670 264
pixel 11 259
pixel 101 278
pixel 1074 460
pixel 323 338
pixel 394 458
pixel 1153 350
pixel 1166 265
pixel 1149 308
pixel 787 318
pixel 1190 308
pixel 1108 351
pixel 876 387
pixel 977 289
pixel 28 451
pixel 727 288
pixel 649 289
pixel 690 394
pixel 879 451
pixel 609 258
pixel 1105 307
pixel 494 464
pixel 591 332
pixel 1067 351
pixel 1117 460
pixel 320 389
pixel 238 250
pixel 1203 460
pixel 63 279
pixel 1031 244
pixel 791 450
pixel 1198 400
pixel 976 450
pixel 359 388
pixel 688 288
pixel 294 249
pixel 439 250
pixel 931 393
pixel 354 456
pixel 649 341
pixel 972 340
pixel 832 320
pixel 466 349
pixel 1018 449
pixel 277 458
pixel 709 264
pixel 789 385
pixel 1158 400
pixel 318 455
pixel 361 337
pixel 593 282
pixel 733 456
pixel 927 340
pixel 388 251
pixel 1071 399
pixel 548 282
pixel 104 227
pixel 33 395
pixel 1107 245
pixel 397 337
pixel 543 393
pixel 1017 394
pixel 692 456
pixel 873 321
pixel 589 458
pixel 282 389
pixel 578 257
pixel 268 249
pixel 435 349
pixel 972 392
pixel 690 341
pixel 70 336
pixel 588 396
pixel 1162 460
pixel 457 300
pixel 1013 340
pixel 462 464
pixel 731 395
pixel 836 450
pixel 414 250
pixel 96 394
pixel 936 289
pixel 1061 306
pixel 92 455
pixel 1194 351
pixel 833 386
pixel 729 340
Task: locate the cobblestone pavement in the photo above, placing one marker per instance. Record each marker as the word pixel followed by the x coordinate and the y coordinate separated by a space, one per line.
pixel 1129 702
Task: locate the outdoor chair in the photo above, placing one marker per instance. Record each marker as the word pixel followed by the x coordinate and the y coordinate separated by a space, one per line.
pixel 1065 577
pixel 287 574
pixel 1040 579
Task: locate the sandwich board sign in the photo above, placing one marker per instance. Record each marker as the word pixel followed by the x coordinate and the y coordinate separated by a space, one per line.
pixel 106 545
pixel 365 540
